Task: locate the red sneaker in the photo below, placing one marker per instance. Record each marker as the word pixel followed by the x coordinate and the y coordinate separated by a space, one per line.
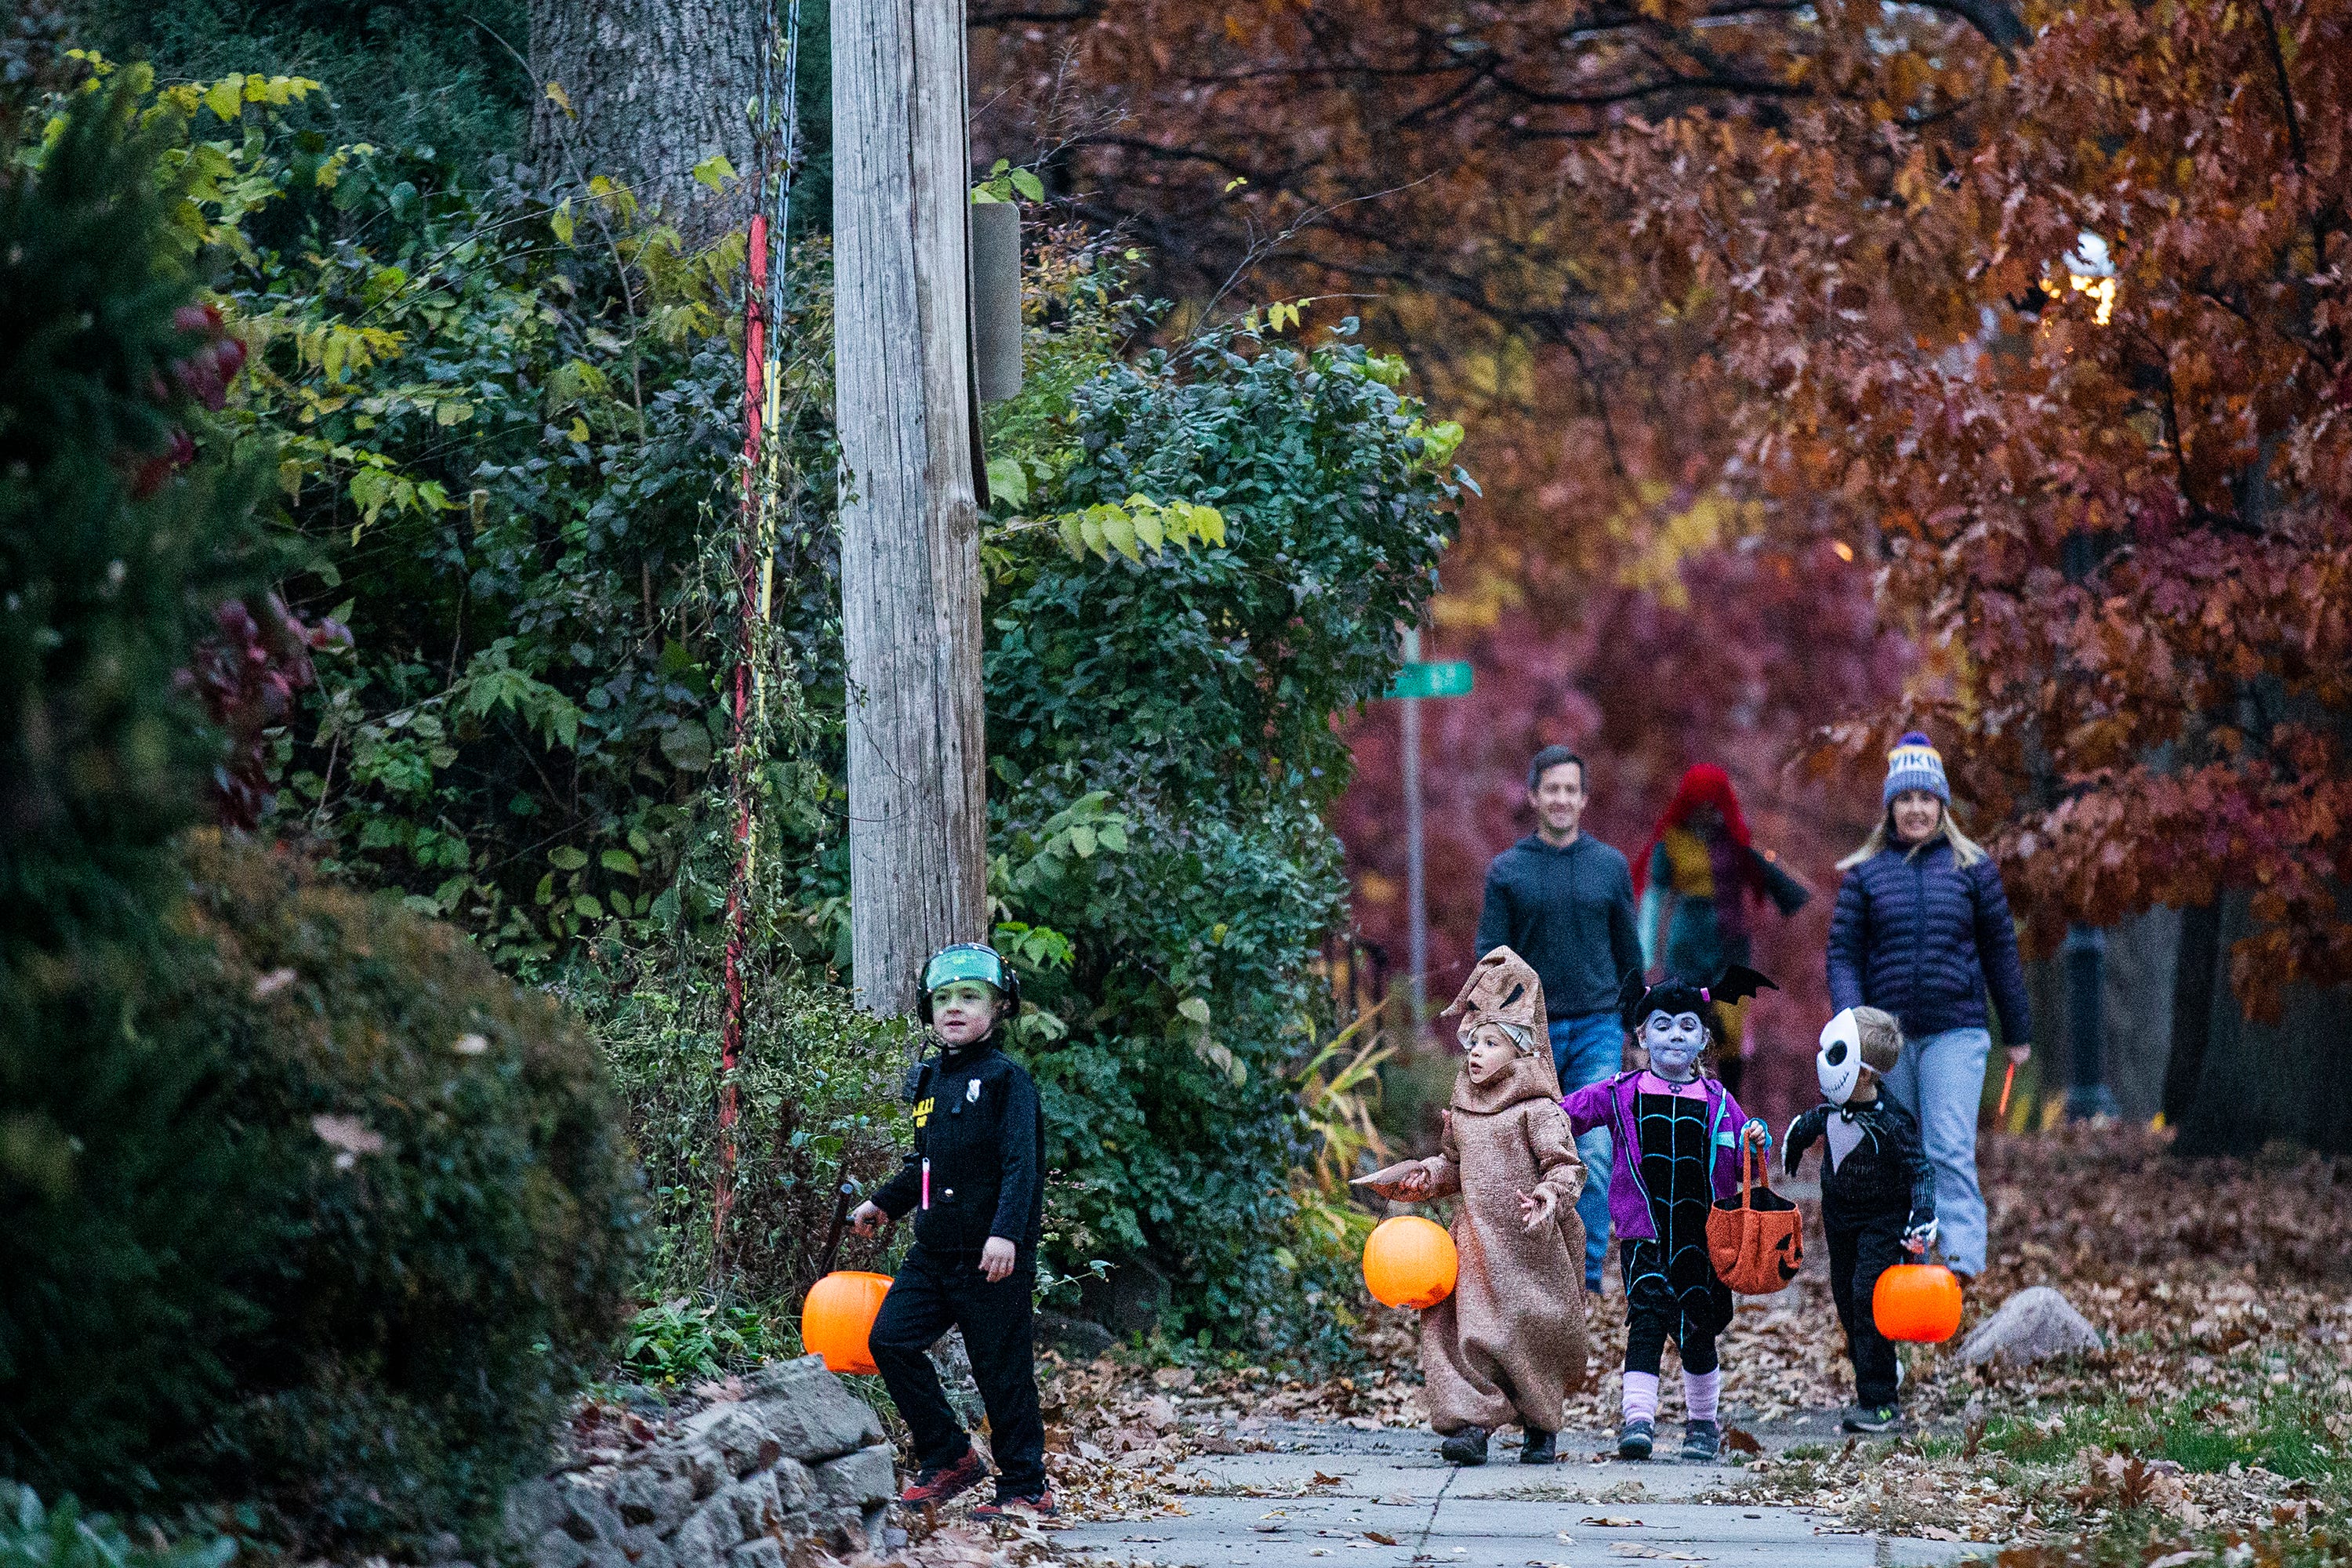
pixel 1019 1508
pixel 940 1482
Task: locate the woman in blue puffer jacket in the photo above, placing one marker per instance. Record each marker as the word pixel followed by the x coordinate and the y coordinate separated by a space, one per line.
pixel 1923 931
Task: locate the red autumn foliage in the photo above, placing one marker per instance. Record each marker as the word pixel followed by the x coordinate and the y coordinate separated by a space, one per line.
pixel 1829 277
pixel 245 676
pixel 2126 542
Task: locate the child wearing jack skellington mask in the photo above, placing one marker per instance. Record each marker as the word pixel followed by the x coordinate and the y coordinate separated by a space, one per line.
pixel 1878 1194
pixel 1675 1138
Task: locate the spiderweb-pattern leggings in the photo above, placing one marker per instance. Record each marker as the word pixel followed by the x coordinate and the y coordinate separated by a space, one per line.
pixel 1671 1288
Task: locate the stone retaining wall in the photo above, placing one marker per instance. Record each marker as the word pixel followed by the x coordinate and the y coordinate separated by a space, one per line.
pixel 798 1463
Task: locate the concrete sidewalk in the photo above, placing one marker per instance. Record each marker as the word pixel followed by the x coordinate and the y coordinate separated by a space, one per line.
pixel 1386 1499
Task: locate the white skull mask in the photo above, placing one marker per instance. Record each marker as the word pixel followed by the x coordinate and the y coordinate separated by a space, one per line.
pixel 1839 1065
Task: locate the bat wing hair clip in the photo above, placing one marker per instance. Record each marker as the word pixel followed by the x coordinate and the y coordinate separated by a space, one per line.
pixel 1636 999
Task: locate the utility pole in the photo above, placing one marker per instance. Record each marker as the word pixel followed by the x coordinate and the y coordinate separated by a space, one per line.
pixel 909 499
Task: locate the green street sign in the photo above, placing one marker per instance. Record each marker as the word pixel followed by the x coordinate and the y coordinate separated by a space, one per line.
pixel 1449 678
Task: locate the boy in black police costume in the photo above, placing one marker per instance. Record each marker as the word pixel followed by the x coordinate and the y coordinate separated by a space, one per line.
pixel 974 1181
pixel 1878 1195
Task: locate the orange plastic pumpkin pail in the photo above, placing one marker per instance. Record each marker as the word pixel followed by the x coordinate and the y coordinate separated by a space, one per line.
pixel 1410 1261
pixel 1919 1302
pixel 838 1315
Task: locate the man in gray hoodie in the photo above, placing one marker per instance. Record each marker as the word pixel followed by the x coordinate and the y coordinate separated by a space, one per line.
pixel 1564 902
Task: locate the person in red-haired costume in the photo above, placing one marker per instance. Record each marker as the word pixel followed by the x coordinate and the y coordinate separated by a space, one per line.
pixel 1696 878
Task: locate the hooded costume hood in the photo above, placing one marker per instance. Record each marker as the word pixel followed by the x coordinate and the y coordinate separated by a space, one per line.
pixel 1503 995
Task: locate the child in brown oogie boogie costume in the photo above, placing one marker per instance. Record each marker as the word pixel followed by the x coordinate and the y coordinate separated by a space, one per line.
pixel 1508 1346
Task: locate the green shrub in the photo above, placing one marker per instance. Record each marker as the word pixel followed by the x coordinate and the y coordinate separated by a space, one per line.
pixel 119 1252
pixel 1193 689
pixel 684 1340
pixel 305 1211
pixel 816 1098
pixel 461 1215
pixel 64 1537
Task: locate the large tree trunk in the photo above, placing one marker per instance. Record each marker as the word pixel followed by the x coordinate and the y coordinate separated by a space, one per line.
pixel 653 88
pixel 2287 1083
pixel 2193 976
pixel 909 515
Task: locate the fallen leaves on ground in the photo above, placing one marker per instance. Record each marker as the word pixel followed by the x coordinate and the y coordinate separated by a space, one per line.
pixel 2222 1289
pixel 2221 1283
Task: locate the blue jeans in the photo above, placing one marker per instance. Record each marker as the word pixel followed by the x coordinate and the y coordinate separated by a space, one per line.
pixel 1584 1052
pixel 1940 1078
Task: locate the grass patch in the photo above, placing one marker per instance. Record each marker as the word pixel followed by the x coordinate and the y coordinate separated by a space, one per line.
pixel 2283 1432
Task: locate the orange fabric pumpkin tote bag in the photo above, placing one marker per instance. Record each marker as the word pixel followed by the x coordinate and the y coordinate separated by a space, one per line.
pixel 1755 1241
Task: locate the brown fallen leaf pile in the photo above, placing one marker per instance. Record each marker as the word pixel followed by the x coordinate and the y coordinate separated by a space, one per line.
pixel 2224 1291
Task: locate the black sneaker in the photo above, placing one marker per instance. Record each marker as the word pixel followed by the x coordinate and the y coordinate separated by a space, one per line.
pixel 937 1483
pixel 1468 1446
pixel 1872 1418
pixel 1038 1506
pixel 1540 1448
pixel 1635 1439
pixel 1702 1440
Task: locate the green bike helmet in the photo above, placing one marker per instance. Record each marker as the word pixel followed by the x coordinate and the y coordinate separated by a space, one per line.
pixel 969 961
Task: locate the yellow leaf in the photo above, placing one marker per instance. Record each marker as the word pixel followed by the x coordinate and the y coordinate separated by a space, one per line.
pixel 1090 528
pixel 1120 530
pixel 579 429
pixel 561 98
pixel 227 97
pixel 1073 537
pixel 1148 529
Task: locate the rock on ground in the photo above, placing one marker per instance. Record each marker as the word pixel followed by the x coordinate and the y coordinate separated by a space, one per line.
pixel 2037 1324
pixel 799 1459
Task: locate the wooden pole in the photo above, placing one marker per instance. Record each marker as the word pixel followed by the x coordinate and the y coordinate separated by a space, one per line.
pixel 909 511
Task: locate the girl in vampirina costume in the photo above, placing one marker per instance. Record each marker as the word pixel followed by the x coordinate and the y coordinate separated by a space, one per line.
pixel 1696 879
pixel 1675 1137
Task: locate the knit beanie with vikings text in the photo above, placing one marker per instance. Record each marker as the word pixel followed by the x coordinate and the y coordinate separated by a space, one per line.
pixel 1915 763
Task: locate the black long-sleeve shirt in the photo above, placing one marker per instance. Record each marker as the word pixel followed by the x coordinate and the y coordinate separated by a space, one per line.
pixel 981 1129
pixel 1568 910
pixel 1885 1170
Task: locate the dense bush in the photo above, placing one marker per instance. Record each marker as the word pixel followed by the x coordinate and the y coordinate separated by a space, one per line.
pixel 303 1206
pixel 32 1536
pixel 461 1225
pixel 817 1095
pixel 1194 689
pixel 118 1277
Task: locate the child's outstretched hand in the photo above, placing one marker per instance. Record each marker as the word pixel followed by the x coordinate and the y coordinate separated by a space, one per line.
pixel 1413 1185
pixel 1537 1209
